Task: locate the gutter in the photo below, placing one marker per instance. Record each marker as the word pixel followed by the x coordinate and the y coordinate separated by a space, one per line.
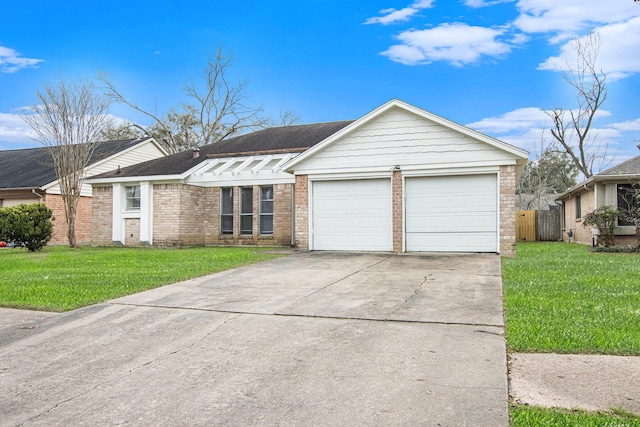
pixel 33 190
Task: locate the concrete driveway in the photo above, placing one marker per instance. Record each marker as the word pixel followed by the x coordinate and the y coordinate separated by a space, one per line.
pixel 308 339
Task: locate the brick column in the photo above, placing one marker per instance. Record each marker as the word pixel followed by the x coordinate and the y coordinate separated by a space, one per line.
pixel 396 191
pixel 302 212
pixel 508 211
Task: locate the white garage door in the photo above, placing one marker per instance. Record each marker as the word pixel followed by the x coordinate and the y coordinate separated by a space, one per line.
pixel 352 215
pixel 452 213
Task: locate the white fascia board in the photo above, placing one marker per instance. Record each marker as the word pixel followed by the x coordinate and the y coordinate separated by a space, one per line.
pixel 51 184
pixel 353 175
pixel 493 165
pixel 395 103
pixel 125 179
pixel 480 170
pixel 239 182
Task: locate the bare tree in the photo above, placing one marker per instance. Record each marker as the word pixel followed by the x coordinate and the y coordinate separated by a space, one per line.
pixel 216 111
pixel 113 132
pixel 571 128
pixel 550 173
pixel 67 120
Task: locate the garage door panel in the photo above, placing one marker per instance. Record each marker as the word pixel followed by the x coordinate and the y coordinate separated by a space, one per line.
pixel 438 223
pixel 352 215
pixel 444 242
pixel 451 213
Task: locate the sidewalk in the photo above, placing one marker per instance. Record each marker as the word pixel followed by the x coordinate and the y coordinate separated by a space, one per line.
pixel 590 382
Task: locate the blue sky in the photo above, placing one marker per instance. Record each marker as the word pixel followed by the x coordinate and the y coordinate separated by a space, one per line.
pixel 491 65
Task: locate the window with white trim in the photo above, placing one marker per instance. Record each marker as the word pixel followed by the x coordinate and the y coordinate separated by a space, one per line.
pixel 628 203
pixel 132 198
pixel 246 211
pixel 226 210
pixel 266 210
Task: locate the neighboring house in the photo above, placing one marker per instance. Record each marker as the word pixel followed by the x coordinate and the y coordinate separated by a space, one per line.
pixel 612 187
pixel 398 179
pixel 28 176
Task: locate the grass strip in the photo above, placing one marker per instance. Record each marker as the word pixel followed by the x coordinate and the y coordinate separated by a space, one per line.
pixel 563 298
pixel 534 416
pixel 60 279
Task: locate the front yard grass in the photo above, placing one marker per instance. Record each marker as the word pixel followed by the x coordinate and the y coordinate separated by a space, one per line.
pixel 60 279
pixel 562 298
pixel 524 416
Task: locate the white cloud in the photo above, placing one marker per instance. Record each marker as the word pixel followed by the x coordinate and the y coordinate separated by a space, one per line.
pixel 11 61
pixel 456 43
pixel 14 130
pixel 529 128
pixel 475 4
pixel 392 16
pixel 570 16
pixel 518 119
pixel 616 43
pixel 629 125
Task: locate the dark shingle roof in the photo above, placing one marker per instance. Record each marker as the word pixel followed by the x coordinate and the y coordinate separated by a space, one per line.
pixel 629 167
pixel 33 167
pixel 286 138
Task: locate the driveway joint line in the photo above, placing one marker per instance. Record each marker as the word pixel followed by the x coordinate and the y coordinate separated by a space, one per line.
pixel 341 279
pixel 315 316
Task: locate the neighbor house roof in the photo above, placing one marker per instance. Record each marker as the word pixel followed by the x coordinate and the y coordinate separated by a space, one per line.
pixel 627 170
pixel 33 167
pixel 271 140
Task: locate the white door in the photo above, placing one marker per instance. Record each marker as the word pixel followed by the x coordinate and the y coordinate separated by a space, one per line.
pixel 352 215
pixel 452 213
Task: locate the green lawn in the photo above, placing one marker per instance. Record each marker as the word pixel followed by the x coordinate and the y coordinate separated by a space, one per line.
pixel 59 278
pixel 562 298
pixel 524 416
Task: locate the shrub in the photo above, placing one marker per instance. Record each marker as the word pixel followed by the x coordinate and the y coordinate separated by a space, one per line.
pixel 26 225
pixel 604 219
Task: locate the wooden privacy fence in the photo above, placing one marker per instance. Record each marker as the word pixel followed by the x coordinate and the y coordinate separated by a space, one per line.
pixel 540 226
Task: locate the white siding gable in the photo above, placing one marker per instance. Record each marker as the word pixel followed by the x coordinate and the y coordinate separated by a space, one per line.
pixel 400 137
pixel 142 152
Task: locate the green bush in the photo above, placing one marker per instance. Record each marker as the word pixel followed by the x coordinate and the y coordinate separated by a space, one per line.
pixel 604 219
pixel 26 225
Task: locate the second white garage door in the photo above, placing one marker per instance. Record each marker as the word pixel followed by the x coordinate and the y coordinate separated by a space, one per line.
pixel 452 213
pixel 353 215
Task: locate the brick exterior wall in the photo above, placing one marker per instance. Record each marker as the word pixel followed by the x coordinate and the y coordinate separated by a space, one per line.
pixel 178 211
pixel 507 211
pixel 132 232
pixel 581 234
pixel 102 216
pixel 82 223
pixel 282 199
pixel 302 212
pixel 396 191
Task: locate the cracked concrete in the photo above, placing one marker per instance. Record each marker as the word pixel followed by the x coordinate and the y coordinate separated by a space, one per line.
pixel 309 339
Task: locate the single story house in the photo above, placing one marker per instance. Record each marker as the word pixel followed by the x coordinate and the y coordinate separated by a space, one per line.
pixel 28 176
pixel 398 179
pixel 613 187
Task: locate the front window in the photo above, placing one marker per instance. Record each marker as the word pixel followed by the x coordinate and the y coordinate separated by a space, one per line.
pixel 246 210
pixel 578 207
pixel 627 203
pixel 266 210
pixel 132 198
pixel 226 210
